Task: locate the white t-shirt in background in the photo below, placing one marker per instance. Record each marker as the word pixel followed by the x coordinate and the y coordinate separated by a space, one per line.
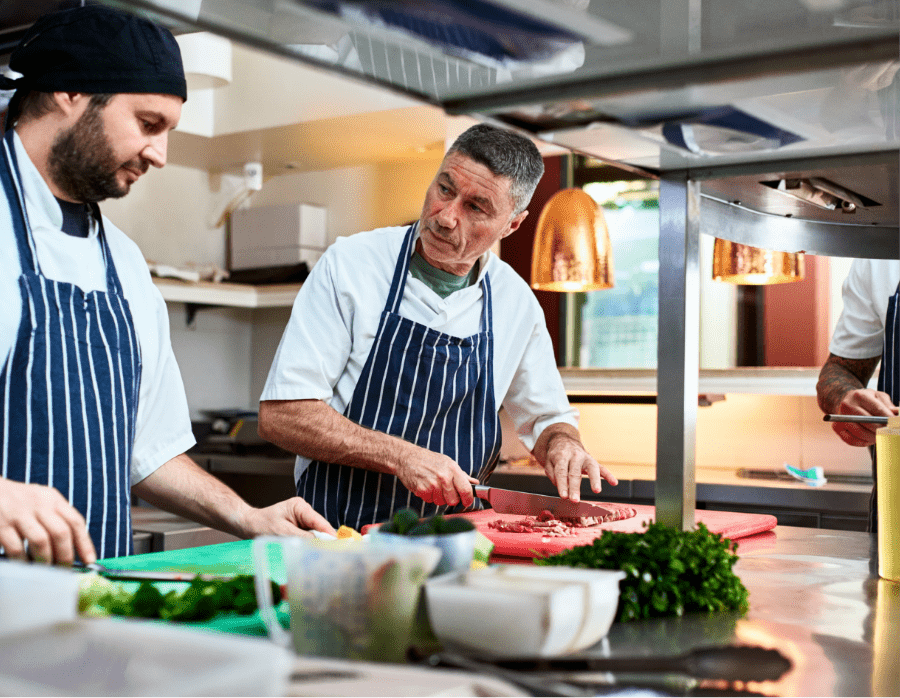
pixel 859 333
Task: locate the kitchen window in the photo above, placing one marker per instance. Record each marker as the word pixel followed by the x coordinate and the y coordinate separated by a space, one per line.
pixel 618 327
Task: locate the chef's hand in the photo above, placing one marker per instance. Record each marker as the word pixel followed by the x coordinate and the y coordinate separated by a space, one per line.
pixel 565 460
pixel 863 402
pixel 54 529
pixel 435 478
pixel 293 516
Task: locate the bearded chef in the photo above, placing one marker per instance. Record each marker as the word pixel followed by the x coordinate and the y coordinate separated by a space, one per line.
pixel 403 343
pixel 92 402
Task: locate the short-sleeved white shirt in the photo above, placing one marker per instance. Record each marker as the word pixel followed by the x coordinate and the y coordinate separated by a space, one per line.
pixel 859 333
pixel 163 428
pixel 336 314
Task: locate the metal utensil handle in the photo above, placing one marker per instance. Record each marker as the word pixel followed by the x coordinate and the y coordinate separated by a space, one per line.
pixel 856 418
pixel 732 663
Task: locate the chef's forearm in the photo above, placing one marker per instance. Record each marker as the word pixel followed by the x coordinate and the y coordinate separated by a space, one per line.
pixel 312 429
pixel 182 487
pixel 840 376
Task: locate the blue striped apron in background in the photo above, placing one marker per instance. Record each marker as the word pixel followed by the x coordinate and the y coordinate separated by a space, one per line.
pixel 888 382
pixel 426 387
pixel 69 387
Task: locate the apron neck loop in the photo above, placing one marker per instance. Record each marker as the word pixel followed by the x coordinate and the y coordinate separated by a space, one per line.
pixel 15 197
pixel 401 270
pixel 398 283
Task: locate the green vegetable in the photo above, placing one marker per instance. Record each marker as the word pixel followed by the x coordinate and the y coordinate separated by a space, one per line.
pixel 669 572
pixel 201 600
pixel 406 523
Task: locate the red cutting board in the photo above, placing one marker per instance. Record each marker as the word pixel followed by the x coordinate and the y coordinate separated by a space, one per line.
pixel 730 524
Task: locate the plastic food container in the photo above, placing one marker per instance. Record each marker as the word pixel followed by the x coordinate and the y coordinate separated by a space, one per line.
pixel 353 599
pixel 119 657
pixel 456 549
pixel 33 595
pixel 519 610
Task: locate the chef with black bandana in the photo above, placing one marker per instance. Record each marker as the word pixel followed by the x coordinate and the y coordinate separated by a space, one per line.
pixel 92 406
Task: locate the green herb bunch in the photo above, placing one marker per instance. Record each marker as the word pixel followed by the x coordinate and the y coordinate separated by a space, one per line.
pixel 201 600
pixel 669 572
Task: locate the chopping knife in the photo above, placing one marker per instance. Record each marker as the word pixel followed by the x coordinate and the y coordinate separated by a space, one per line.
pixel 149 575
pixel 856 418
pixel 525 503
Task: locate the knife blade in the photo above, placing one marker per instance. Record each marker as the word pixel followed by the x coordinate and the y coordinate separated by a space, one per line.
pixel 150 575
pixel 856 419
pixel 528 504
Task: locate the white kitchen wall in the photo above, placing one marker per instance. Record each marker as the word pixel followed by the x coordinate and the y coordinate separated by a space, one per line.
pixel 225 353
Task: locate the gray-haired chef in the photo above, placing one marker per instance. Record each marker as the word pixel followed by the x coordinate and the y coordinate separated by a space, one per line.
pixel 404 343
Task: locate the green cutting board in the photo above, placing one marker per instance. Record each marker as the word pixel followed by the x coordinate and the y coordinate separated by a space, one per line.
pixel 222 559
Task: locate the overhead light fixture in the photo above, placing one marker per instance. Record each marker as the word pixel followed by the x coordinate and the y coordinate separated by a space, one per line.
pixel 572 252
pixel 206 58
pixel 746 265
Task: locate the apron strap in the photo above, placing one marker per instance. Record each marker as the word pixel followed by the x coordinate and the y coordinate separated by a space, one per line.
pixel 12 186
pixel 889 375
pixel 398 283
pixel 113 284
pixel 401 269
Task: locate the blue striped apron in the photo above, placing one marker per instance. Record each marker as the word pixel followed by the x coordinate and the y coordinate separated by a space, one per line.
pixel 426 387
pixel 69 387
pixel 888 382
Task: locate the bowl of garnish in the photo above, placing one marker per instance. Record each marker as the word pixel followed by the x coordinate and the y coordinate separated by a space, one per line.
pixel 455 537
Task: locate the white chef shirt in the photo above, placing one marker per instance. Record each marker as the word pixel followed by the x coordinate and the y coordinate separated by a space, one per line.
pixel 163 428
pixel 859 333
pixel 336 315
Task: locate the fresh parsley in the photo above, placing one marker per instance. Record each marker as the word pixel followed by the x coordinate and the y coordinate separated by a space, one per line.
pixel 199 601
pixel 669 572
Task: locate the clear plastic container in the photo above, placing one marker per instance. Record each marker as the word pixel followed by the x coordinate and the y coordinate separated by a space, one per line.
pixel 33 595
pixel 121 657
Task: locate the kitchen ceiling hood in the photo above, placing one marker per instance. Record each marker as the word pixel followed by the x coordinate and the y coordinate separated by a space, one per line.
pixel 736 95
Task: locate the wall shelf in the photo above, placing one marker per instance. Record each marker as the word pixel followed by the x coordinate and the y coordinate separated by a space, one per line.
pixel 770 381
pixel 226 294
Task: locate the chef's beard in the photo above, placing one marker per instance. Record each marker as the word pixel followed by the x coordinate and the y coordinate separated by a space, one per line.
pixel 81 161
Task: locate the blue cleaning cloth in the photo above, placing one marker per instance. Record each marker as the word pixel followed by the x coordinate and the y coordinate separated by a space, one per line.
pixel 812 476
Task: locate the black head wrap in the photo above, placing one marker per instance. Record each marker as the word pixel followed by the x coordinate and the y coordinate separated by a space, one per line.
pixel 96 50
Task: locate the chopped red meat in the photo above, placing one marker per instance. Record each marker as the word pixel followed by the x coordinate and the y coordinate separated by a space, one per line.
pixel 551 526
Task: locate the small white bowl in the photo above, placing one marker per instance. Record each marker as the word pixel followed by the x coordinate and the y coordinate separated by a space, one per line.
pixel 600 587
pixel 523 610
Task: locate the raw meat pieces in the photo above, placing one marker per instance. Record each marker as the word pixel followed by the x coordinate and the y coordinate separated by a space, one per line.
pixel 551 526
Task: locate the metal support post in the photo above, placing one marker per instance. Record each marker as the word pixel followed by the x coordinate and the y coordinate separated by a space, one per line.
pixel 678 352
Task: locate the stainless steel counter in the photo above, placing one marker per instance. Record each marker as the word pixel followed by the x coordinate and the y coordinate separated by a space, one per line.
pixel 814 596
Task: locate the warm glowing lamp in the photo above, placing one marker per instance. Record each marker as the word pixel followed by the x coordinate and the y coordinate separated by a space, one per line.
pixel 571 251
pixel 743 264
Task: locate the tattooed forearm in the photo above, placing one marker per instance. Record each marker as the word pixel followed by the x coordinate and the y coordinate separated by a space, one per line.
pixel 839 376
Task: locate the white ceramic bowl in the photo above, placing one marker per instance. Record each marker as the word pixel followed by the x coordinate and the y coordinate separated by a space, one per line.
pixel 523 610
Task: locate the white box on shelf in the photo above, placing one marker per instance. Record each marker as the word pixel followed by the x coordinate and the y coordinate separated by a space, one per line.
pixel 278 236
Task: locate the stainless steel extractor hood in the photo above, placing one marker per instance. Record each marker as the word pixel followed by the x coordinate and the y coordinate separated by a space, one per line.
pixel 735 94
